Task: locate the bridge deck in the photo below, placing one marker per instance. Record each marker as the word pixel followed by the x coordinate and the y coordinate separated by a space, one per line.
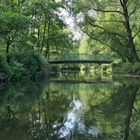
pixel 79 61
pixel 79 81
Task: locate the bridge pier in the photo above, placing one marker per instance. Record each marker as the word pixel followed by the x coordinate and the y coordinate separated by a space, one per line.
pixel 102 68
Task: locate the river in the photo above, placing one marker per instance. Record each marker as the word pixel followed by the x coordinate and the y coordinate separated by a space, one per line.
pixel 71 106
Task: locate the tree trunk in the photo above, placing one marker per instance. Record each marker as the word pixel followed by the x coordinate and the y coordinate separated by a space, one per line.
pixel 38 39
pixel 7 51
pixel 9 42
pixel 130 42
pixel 48 46
pixel 7 47
pixel 44 33
pixel 133 89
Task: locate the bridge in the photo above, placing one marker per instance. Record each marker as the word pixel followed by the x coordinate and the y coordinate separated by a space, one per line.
pixel 80 58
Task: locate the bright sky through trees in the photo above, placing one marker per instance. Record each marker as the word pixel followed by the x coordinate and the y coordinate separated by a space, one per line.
pixel 70 20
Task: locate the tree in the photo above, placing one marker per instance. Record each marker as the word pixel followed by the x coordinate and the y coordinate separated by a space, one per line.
pixel 111 23
pixel 47 27
pixel 33 25
pixel 13 25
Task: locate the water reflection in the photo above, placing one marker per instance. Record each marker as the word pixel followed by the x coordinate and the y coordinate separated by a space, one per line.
pixel 81 77
pixel 72 120
pixel 53 111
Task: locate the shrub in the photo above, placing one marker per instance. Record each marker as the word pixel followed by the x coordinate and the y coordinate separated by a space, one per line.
pixel 22 65
pixel 15 72
pixel 25 64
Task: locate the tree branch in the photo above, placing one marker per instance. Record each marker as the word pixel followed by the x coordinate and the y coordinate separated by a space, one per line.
pixel 133 11
pixel 108 11
pixel 136 34
pixel 104 43
pixel 121 3
pixel 134 26
pixel 100 27
pixel 115 21
pixel 9 39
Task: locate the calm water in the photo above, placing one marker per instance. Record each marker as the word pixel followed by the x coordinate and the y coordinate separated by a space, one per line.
pixel 72 106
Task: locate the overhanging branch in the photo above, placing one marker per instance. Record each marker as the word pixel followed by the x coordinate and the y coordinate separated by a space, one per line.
pixel 113 21
pixel 100 27
pixel 108 11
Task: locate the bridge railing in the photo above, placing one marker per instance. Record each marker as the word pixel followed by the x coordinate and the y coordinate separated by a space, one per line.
pixel 81 56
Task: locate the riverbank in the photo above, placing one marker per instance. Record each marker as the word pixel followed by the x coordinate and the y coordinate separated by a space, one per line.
pixel 130 69
pixel 22 66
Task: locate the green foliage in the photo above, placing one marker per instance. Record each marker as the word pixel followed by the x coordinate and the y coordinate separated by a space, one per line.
pixel 30 25
pixel 36 25
pixel 15 72
pixel 28 62
pixel 48 30
pixel 22 65
pixel 110 24
pixel 12 28
pixel 127 68
pixel 12 22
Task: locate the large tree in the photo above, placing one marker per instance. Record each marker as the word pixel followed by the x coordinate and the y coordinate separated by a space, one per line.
pixel 112 23
pixel 47 27
pixel 46 31
pixel 13 26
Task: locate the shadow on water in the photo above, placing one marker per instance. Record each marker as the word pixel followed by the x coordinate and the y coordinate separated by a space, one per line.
pixel 71 111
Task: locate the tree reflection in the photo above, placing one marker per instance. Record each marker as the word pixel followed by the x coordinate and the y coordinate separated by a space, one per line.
pixel 54 111
pixel 114 115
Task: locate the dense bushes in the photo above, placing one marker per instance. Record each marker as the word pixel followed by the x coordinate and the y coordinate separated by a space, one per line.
pixel 127 68
pixel 27 65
